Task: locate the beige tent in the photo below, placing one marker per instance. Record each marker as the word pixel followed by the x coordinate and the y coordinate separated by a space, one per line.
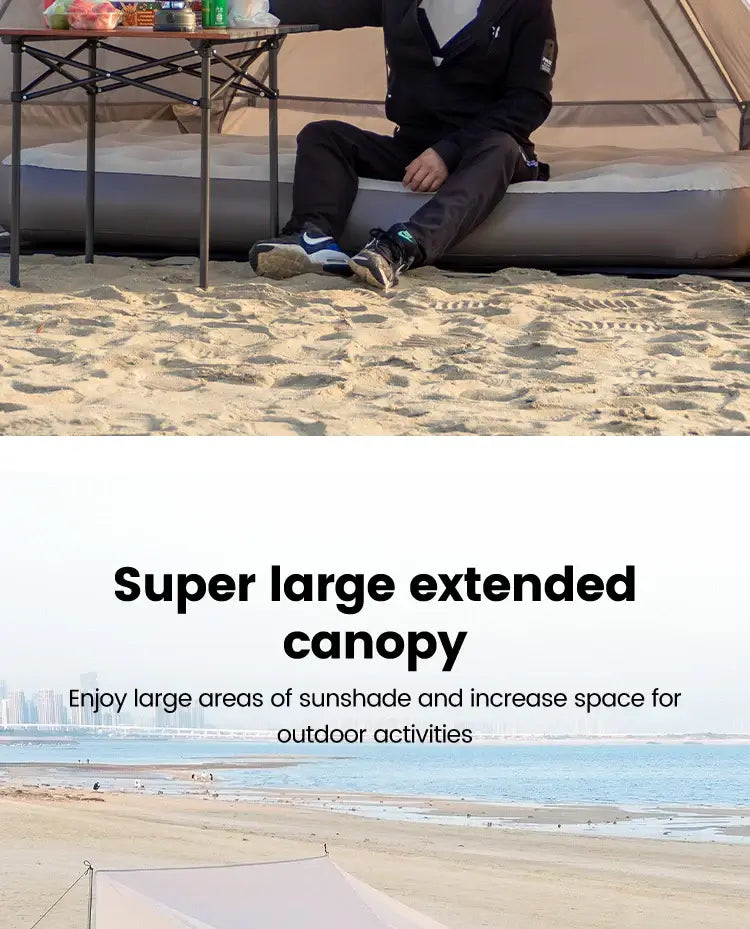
pixel 632 73
pixel 311 893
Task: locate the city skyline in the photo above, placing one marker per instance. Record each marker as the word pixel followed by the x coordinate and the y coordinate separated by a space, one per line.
pixel 48 707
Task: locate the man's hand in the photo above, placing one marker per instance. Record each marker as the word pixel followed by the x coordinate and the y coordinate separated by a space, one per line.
pixel 426 173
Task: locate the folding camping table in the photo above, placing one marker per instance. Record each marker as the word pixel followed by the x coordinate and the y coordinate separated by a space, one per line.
pixel 78 68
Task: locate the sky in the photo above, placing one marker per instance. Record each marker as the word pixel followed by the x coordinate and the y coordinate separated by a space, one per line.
pixel 676 510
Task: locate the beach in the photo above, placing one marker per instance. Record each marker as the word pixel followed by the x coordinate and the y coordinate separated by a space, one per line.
pixel 130 346
pixel 465 878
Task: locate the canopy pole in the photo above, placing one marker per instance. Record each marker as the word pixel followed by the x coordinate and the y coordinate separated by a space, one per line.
pixel 91 893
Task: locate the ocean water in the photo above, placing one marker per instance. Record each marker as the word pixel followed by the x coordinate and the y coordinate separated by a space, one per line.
pixel 636 774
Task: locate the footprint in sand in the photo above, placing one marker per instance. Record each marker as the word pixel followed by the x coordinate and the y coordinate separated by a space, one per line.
pixel 369 318
pixel 207 312
pixel 174 383
pixel 741 366
pixel 560 379
pixel 494 396
pixel 301 428
pixel 267 360
pixel 395 362
pixel 92 322
pixel 143 424
pixel 230 373
pixel 25 388
pixel 65 393
pixel 309 381
pixel 106 292
pixel 693 386
pixel 614 325
pixel 55 355
pixel 541 350
pixel 425 341
pixel 454 373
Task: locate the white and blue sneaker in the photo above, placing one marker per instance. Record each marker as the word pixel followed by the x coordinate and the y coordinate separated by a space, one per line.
pixel 305 252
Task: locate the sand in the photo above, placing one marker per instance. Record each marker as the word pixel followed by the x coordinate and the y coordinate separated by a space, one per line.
pixel 134 347
pixel 466 878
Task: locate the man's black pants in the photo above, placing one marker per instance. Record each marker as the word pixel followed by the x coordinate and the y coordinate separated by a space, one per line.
pixel 332 156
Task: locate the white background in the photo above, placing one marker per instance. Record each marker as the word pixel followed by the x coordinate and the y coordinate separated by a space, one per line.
pixel 74 510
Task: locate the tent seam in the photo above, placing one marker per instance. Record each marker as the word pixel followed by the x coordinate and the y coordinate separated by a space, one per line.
pixel 199 867
pixel 675 47
pixel 689 13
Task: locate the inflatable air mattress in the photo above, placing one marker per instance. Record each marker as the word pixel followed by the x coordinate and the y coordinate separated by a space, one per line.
pixel 604 206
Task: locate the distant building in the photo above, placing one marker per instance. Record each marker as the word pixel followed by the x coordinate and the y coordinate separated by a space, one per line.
pixel 89 683
pixel 3 689
pixel 16 708
pixel 45 707
pixel 61 712
pixel 162 719
pixel 50 708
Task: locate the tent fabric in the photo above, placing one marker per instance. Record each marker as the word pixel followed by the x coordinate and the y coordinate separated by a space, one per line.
pixel 677 71
pixel 725 25
pixel 312 893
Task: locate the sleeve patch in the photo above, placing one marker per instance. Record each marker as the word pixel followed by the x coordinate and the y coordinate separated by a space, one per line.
pixel 548 56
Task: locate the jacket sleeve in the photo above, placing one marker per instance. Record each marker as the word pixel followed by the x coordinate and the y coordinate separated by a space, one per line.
pixel 329 14
pixel 526 98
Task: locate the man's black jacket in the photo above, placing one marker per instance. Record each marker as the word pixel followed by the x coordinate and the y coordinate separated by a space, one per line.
pixel 496 73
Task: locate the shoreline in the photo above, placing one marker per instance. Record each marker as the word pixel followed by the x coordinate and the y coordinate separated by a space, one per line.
pixel 53 737
pixel 658 821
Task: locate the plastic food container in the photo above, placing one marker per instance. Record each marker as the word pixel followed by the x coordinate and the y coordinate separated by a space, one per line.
pixel 103 20
pixel 93 14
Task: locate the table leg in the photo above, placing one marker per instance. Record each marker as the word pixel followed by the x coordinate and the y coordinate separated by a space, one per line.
pixel 15 171
pixel 273 136
pixel 205 244
pixel 91 160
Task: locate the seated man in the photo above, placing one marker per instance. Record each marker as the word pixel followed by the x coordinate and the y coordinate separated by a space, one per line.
pixel 468 82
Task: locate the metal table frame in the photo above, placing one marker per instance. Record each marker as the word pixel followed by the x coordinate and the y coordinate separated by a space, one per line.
pixel 79 68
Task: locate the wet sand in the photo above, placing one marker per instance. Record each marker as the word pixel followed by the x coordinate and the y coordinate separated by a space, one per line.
pixel 36 768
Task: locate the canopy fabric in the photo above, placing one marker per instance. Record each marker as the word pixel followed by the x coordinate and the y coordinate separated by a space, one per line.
pixel 310 892
pixel 646 73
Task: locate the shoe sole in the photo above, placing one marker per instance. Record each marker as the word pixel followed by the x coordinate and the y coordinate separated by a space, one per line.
pixel 281 263
pixel 364 273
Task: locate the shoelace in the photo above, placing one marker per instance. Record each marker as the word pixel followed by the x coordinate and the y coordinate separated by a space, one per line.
pixel 382 241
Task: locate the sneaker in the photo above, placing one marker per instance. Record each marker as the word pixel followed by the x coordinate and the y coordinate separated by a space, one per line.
pixel 299 253
pixel 385 256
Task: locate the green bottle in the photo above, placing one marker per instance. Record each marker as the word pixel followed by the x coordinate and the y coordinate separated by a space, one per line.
pixel 214 14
